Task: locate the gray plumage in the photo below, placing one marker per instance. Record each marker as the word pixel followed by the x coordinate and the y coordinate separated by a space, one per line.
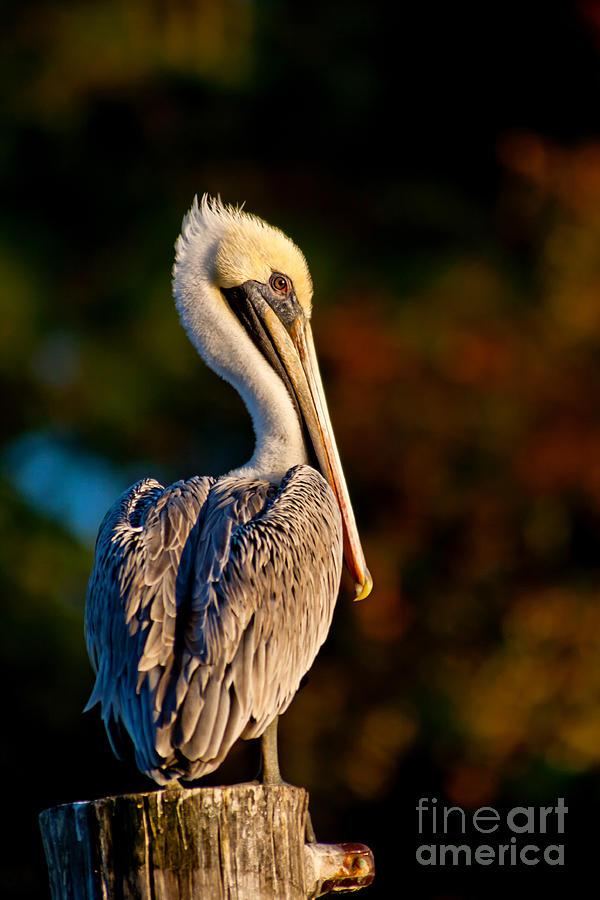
pixel 207 604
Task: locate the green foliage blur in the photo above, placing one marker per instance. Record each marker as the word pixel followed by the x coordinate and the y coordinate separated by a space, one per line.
pixel 440 168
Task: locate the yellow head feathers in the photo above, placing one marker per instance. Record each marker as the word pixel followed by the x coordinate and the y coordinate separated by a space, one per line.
pixel 236 247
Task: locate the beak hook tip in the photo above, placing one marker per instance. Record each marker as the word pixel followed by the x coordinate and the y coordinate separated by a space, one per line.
pixel 364 588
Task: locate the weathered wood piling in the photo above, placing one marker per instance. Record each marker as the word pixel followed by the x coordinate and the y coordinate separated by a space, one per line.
pixel 243 842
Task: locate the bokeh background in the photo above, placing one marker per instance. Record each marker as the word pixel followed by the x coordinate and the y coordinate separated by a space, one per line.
pixel 439 164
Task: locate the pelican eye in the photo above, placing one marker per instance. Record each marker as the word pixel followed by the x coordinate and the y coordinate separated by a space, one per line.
pixel 281 284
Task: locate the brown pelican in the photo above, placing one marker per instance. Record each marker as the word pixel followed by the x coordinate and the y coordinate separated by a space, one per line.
pixel 209 599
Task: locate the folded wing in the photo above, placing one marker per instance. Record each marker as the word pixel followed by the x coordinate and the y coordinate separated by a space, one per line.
pixel 207 604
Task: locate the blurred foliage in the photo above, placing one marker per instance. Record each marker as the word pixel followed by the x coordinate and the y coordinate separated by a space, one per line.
pixel 442 174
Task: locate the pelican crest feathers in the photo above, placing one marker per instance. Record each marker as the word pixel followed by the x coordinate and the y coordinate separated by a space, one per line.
pixel 225 246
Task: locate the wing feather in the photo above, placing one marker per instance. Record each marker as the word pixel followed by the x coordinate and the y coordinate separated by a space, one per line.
pixel 207 604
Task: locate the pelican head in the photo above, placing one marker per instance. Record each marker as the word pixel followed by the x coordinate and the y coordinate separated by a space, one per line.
pixel 244 294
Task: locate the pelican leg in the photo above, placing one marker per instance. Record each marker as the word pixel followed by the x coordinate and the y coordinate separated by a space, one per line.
pixel 271 773
pixel 270 756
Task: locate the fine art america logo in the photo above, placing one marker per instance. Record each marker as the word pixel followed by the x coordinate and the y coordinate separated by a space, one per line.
pixel 528 830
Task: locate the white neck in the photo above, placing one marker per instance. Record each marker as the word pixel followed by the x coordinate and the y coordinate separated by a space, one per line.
pixel 228 350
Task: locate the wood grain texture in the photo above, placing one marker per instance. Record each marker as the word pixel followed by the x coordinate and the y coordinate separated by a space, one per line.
pixel 240 842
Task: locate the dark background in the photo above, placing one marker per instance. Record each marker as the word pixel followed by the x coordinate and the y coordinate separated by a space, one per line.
pixel 439 164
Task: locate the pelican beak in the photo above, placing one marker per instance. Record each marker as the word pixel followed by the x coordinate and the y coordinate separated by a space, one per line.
pixel 295 347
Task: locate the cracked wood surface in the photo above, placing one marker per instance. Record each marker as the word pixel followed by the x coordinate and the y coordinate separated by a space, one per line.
pixel 243 842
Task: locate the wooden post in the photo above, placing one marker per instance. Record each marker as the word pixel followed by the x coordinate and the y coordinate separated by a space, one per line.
pixel 244 842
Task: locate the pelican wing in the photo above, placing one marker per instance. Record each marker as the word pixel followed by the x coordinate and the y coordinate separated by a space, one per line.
pixel 207 604
pixel 131 609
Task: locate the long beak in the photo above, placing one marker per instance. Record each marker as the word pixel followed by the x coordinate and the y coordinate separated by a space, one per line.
pixel 296 350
